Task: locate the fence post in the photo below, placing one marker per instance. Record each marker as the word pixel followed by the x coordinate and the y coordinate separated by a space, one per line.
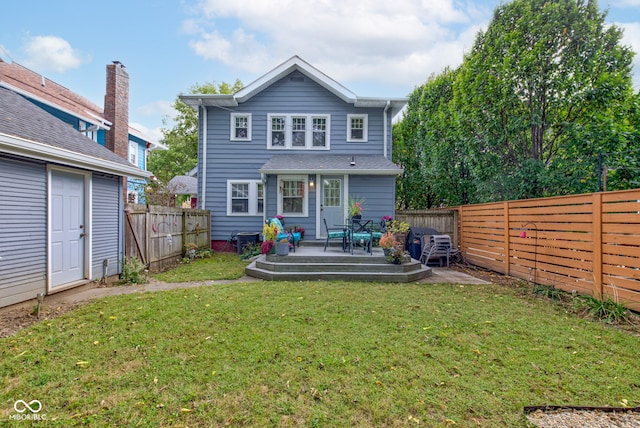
pixel 596 267
pixel 184 230
pixel 507 242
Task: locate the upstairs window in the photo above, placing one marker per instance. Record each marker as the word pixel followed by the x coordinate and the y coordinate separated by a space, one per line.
pixel 133 152
pixel 298 131
pixel 357 127
pixel 278 131
pixel 240 127
pixel 319 132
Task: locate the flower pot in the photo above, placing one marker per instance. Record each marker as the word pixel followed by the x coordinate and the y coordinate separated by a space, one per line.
pixel 386 251
pixel 282 248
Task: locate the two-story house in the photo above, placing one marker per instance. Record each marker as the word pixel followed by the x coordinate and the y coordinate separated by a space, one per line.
pixel 108 127
pixel 296 143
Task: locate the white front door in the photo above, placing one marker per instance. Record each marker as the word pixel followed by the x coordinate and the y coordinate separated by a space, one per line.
pixel 332 208
pixel 67 228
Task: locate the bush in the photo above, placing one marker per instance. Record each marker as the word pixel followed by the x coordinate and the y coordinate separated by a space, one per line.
pixel 133 271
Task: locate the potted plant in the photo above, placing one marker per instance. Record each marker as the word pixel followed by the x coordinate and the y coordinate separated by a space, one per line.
pixel 269 234
pixel 399 229
pixel 387 242
pixel 398 256
pixel 282 247
pixel 356 206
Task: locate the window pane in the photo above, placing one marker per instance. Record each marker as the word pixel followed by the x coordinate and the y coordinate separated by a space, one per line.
pixel 319 132
pixel 357 128
pixel 260 208
pixel 298 135
pixel 277 131
pixel 331 189
pixel 240 198
pixel 293 197
pixel 242 126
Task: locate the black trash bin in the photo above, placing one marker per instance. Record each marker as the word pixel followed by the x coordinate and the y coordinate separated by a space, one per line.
pixel 247 238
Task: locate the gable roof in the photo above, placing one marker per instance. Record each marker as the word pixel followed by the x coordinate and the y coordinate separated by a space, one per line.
pixel 330 164
pixel 29 131
pixel 295 63
pixel 183 185
pixel 32 85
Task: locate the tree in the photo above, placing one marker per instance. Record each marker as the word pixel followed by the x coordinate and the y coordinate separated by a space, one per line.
pixel 540 95
pixel 182 139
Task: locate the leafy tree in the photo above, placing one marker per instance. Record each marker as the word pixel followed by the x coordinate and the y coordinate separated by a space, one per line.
pixel 543 95
pixel 540 95
pixel 182 139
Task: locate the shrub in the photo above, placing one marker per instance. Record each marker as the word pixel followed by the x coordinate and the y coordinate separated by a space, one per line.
pixel 133 271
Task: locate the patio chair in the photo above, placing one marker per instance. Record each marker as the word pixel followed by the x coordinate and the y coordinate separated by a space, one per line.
pixel 292 237
pixel 335 233
pixel 361 233
pixel 436 247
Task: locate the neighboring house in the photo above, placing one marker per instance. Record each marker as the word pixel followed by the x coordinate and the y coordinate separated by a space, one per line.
pixel 61 206
pixel 184 185
pixel 294 143
pixel 108 127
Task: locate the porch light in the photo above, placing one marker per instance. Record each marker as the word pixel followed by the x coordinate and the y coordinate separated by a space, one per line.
pixel 312 181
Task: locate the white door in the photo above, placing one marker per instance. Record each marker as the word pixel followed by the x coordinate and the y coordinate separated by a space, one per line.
pixel 332 208
pixel 67 228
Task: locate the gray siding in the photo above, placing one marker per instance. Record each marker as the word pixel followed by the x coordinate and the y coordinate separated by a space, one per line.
pixel 107 240
pixel 228 160
pixel 378 193
pixel 23 221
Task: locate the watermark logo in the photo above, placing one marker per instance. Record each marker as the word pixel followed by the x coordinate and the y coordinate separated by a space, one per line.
pixel 28 411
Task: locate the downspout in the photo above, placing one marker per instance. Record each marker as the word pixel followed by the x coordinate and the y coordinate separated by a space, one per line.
pixel 385 126
pixel 204 158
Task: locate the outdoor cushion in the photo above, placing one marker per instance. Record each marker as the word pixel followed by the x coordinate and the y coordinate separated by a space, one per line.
pixel 293 237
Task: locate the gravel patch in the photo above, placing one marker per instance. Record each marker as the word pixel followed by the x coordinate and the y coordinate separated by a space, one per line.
pixel 569 418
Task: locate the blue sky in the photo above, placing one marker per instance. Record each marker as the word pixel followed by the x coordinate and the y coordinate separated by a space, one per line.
pixel 375 48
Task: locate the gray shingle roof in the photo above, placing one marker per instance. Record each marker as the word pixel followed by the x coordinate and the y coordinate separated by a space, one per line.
pixel 330 164
pixel 23 119
pixel 183 185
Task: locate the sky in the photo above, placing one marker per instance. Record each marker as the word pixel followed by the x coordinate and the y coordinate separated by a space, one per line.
pixel 375 48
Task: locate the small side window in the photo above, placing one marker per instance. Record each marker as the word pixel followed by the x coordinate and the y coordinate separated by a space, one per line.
pixel 240 127
pixel 357 125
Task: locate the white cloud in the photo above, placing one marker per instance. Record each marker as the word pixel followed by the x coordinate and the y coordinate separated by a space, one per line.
pixel 160 107
pixel 51 53
pixel 350 40
pixel 631 38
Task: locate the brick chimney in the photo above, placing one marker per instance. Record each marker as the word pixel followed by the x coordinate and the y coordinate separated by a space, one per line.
pixel 116 109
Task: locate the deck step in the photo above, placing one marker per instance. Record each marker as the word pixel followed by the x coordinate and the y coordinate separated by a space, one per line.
pixel 352 268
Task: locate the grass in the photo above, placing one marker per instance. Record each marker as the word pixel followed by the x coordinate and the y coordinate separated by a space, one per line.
pixel 221 266
pixel 316 354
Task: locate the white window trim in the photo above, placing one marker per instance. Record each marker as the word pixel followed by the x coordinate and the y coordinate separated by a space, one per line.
pixel 288 131
pixel 305 199
pixel 253 198
pixel 133 148
pixel 232 127
pixel 365 133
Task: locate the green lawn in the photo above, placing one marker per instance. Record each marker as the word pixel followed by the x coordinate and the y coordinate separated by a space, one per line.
pixel 316 354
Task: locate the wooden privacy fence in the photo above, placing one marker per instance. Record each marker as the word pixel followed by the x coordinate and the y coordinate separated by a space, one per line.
pixel 445 221
pixel 158 235
pixel 584 243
